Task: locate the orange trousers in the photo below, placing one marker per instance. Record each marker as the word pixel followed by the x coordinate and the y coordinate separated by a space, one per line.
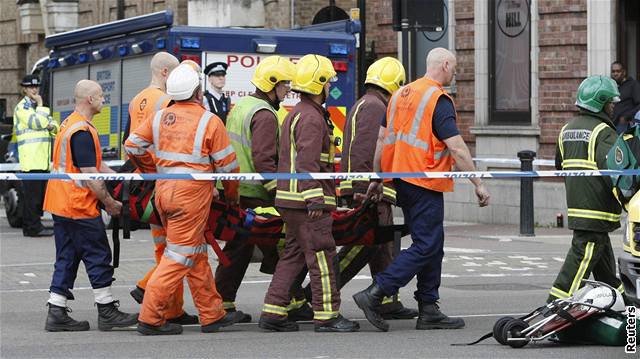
pixel 176 302
pixel 183 207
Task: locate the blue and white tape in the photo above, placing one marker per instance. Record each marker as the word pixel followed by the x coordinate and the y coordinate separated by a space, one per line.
pixel 309 176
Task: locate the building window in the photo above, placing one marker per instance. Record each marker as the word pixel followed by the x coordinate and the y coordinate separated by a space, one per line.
pixel 509 62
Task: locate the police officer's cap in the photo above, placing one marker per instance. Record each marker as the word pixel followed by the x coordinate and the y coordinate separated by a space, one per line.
pixel 30 80
pixel 216 69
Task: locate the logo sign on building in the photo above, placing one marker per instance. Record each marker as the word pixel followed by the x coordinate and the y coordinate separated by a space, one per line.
pixel 513 16
pixel 239 74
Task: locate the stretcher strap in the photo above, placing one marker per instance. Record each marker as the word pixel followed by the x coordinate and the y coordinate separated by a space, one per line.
pixel 126 215
pixel 224 260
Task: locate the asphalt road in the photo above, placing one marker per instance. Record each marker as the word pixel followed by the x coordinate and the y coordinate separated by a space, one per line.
pixel 488 272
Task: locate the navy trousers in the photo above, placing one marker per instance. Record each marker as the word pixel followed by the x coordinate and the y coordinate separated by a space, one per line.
pixel 424 215
pixel 80 240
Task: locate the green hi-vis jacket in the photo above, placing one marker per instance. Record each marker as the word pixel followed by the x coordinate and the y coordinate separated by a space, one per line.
pixel 583 144
pixel 34 139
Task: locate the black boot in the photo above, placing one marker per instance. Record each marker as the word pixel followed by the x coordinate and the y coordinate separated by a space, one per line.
pixel 339 324
pixel 302 314
pixel 165 329
pixel 58 320
pixel 396 310
pixel 246 318
pixel 109 317
pixel 278 325
pixel 185 319
pixel 229 319
pixel 369 301
pixel 431 317
pixel 137 294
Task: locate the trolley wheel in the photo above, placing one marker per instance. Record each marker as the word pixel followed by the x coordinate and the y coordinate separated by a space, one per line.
pixel 513 329
pixel 497 330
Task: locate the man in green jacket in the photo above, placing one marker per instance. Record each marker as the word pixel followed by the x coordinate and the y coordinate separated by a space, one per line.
pixel 34 128
pixel 593 211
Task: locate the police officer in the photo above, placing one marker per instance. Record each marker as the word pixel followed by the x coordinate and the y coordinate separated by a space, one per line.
pixel 593 211
pixel 307 145
pixel 34 128
pixel 216 101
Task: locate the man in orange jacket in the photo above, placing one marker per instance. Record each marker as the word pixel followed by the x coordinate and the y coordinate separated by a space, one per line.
pixel 79 231
pixel 186 139
pixel 421 136
pixel 144 105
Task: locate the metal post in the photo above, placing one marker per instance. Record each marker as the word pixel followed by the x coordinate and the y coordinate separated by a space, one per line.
pixel 362 50
pixel 526 194
pixel 120 9
pixel 404 24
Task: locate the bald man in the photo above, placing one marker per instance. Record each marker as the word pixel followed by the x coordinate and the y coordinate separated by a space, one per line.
pixel 425 105
pixel 78 228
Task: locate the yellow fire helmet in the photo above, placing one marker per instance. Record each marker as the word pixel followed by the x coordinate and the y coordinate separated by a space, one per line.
pixel 387 73
pixel 312 73
pixel 272 70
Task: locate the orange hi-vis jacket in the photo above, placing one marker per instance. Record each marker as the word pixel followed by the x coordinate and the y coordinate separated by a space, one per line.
pixel 69 198
pixel 186 139
pixel 410 145
pixel 145 104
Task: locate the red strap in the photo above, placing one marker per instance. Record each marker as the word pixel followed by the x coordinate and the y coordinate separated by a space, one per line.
pixel 216 248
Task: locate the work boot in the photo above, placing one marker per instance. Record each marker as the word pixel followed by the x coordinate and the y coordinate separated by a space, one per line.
pixel 185 319
pixel 165 329
pixel 339 324
pixel 302 314
pixel 430 317
pixel 369 301
pixel 229 319
pixel 278 325
pixel 109 317
pixel 397 311
pixel 137 294
pixel 246 318
pixel 58 320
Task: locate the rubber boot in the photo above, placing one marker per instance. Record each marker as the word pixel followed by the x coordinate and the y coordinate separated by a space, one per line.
pixel 165 329
pixel 185 319
pixel 369 301
pixel 229 319
pixel 337 325
pixel 58 320
pixel 302 314
pixel 278 325
pixel 430 317
pixel 137 294
pixel 109 317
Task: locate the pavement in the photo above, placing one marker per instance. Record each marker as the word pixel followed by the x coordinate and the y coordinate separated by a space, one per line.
pixel 489 272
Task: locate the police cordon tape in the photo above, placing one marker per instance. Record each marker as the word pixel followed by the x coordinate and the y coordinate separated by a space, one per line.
pixel 308 176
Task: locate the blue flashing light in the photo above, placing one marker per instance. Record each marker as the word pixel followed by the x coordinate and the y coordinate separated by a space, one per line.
pixel 83 58
pixel 70 60
pixel 338 49
pixel 53 63
pixel 190 43
pixel 161 43
pixel 123 50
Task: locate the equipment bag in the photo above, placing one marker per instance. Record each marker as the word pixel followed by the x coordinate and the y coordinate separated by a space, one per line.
pixel 625 155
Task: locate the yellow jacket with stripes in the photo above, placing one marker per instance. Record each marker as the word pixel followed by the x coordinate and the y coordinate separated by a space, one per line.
pixel 583 144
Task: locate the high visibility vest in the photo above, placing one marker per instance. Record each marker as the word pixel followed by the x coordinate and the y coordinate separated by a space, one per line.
pixel 71 198
pixel 32 136
pixel 145 104
pixel 410 145
pixel 239 131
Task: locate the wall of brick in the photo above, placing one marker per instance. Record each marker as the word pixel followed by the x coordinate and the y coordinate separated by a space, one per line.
pixel 465 77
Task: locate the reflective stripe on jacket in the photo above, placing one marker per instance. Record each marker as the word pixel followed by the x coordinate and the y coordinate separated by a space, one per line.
pixel 68 198
pixel 32 136
pixel 410 145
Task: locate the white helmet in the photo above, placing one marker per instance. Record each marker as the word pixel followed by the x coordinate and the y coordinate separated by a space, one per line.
pixel 182 82
pixel 601 296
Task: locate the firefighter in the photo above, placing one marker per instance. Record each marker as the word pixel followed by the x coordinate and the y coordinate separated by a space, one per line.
pixel 307 145
pixel 186 139
pixel 253 128
pixel 216 101
pixel 79 231
pixel 364 132
pixel 145 104
pixel 421 135
pixel 593 210
pixel 33 127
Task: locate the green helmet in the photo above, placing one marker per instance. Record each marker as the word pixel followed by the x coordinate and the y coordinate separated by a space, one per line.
pixel 595 92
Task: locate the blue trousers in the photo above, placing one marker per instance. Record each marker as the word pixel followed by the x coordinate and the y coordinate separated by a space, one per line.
pixel 424 215
pixel 80 240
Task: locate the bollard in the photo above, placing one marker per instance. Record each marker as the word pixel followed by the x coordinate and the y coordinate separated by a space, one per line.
pixel 526 194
